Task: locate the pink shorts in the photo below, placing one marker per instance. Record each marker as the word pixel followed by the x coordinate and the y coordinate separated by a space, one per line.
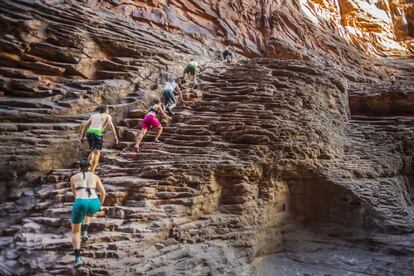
pixel 149 121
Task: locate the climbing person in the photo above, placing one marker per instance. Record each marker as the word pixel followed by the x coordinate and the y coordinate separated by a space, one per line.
pixel 84 185
pixel 228 55
pixel 151 121
pixel 392 78
pixel 93 129
pixel 169 99
pixel 191 70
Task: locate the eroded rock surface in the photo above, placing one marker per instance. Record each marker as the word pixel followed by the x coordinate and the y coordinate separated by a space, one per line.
pixel 58 62
pixel 300 164
pixel 282 28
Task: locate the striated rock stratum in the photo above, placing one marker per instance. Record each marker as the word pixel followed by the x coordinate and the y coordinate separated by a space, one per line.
pixel 295 159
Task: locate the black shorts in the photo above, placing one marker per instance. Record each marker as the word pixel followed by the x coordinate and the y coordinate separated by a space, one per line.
pixel 95 141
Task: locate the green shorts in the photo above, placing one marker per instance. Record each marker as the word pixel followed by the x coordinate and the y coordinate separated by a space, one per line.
pixel 190 69
pixel 82 207
pixel 95 138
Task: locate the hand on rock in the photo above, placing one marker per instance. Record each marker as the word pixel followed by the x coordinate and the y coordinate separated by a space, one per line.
pixel 82 139
pixel 116 141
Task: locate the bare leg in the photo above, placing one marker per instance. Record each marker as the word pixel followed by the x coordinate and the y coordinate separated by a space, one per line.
pixel 76 240
pixel 91 157
pixel 87 220
pixel 140 137
pixel 95 161
pixel 186 77
pixel 85 228
pixel 158 132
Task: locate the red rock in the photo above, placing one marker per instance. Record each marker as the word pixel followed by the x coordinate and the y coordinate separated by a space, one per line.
pixel 269 154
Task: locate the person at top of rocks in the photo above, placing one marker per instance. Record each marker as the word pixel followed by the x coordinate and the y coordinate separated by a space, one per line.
pixel 169 99
pixel 228 55
pixel 84 185
pixel 392 78
pixel 94 129
pixel 151 121
pixel 191 71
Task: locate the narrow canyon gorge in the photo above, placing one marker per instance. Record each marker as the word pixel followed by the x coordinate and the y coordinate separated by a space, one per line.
pixel 296 158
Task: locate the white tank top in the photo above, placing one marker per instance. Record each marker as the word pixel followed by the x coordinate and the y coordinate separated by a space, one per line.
pixel 84 181
pixel 98 120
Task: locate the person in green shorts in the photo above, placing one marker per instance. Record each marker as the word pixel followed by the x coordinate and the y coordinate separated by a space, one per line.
pixel 84 185
pixel 95 127
pixel 191 70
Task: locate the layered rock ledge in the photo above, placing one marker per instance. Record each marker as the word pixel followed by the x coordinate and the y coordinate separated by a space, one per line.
pixel 295 164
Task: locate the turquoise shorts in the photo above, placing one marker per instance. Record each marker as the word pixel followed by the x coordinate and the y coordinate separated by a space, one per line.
pixel 82 207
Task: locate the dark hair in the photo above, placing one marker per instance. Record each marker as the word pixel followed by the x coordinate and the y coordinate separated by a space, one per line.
pixel 103 108
pixel 156 101
pixel 84 165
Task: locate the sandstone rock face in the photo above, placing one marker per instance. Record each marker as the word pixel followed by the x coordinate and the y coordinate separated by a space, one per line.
pixel 295 164
pixel 383 27
pixel 55 69
pixel 377 27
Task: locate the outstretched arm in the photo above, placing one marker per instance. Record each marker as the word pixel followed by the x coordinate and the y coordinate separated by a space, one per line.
pixel 163 114
pixel 101 190
pixel 84 128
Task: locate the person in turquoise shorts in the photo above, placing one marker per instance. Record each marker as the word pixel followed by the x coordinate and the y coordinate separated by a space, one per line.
pixel 84 185
pixel 95 127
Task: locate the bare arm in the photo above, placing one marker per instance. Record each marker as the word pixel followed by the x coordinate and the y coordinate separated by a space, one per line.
pixel 72 185
pixel 101 190
pixel 180 94
pixel 161 111
pixel 84 128
pixel 111 124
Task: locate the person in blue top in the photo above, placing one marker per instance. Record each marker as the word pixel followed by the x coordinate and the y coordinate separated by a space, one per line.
pixel 169 99
pixel 84 185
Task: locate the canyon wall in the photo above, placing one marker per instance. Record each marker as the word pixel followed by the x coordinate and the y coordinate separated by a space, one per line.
pixel 54 70
pixel 294 159
pixel 280 28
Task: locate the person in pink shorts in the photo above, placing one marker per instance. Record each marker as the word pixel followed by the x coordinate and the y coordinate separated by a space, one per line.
pixel 151 121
